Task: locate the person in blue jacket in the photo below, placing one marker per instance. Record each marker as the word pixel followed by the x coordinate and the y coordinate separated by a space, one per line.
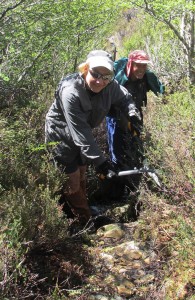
pixel 125 144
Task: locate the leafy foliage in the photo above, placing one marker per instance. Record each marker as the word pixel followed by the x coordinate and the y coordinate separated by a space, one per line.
pixel 173 144
pixel 43 40
pixel 40 42
pixel 157 41
pixel 179 18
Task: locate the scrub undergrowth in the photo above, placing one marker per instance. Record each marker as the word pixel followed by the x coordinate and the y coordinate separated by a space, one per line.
pixel 38 258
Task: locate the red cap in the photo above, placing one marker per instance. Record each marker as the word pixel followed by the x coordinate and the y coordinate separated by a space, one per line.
pixel 137 56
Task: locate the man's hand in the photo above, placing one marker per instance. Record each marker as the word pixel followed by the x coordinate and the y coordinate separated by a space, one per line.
pixel 136 125
pixel 105 170
pixel 134 112
pixel 135 119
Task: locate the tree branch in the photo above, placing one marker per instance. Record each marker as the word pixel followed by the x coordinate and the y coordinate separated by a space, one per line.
pixel 171 26
pixel 24 73
pixel 10 8
pixel 149 9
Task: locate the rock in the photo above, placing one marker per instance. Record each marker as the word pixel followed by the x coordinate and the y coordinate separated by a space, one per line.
pixel 123 263
pixel 139 273
pixel 122 271
pixel 100 297
pixel 147 260
pixel 136 265
pixel 108 260
pixel 120 211
pixel 110 279
pixel 126 288
pixel 120 249
pixel 132 254
pixel 146 279
pixel 111 231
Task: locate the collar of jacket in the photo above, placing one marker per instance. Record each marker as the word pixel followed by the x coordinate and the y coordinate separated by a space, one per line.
pixel 119 67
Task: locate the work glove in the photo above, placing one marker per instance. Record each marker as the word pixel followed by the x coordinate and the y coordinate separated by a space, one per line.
pixel 135 119
pixel 105 170
pixel 136 125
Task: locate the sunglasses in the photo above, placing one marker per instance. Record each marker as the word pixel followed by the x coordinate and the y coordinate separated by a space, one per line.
pixel 96 75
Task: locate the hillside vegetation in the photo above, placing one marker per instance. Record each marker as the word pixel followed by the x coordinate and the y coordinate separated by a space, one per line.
pixel 37 49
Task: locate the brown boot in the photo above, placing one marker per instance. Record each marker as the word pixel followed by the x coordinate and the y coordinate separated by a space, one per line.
pixel 83 186
pixel 79 206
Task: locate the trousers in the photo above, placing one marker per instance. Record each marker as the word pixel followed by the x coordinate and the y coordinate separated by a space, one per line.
pixel 76 195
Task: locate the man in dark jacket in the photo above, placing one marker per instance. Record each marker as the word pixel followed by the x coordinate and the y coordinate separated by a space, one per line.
pixel 81 102
pixel 125 144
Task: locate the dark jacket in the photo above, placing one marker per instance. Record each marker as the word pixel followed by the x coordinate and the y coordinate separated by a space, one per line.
pixel 138 88
pixel 153 83
pixel 76 111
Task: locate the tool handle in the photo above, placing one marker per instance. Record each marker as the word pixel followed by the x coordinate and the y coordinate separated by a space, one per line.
pixel 135 171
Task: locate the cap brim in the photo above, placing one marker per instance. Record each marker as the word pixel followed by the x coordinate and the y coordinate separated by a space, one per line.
pixel 101 61
pixel 142 61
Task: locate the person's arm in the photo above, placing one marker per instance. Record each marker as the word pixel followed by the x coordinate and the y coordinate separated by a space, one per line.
pixel 124 101
pixel 80 130
pixel 154 84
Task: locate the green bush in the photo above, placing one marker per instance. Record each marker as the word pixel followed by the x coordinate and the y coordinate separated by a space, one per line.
pixel 28 179
pixel 170 122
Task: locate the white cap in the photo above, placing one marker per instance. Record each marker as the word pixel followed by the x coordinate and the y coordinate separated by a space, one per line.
pixel 100 58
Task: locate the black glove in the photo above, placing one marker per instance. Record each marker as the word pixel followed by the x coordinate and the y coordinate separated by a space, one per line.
pixel 105 170
pixel 135 119
pixel 136 125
